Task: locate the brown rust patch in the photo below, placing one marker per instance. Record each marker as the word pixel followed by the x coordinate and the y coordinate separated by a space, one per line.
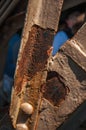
pixel 31 70
pixel 54 90
pixel 34 55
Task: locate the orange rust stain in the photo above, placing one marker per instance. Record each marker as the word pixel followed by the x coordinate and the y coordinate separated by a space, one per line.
pixel 34 55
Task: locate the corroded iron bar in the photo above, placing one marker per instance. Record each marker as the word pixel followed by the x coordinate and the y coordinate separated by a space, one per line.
pixel 41 22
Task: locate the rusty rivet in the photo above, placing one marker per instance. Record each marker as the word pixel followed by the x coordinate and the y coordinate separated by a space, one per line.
pixel 27 108
pixel 21 127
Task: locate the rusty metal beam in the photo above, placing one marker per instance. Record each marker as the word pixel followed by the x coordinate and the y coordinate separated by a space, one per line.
pixel 76 48
pixel 38 33
pixel 70 66
pixel 52 96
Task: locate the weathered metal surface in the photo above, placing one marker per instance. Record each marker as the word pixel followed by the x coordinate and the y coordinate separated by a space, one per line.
pixel 30 72
pixel 54 90
pixel 30 67
pixel 81 37
pixel 53 98
pixel 76 48
pixel 42 13
pixel 77 120
pixel 73 77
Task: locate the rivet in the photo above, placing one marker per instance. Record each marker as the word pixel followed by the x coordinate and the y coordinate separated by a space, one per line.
pixel 27 108
pixel 21 127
